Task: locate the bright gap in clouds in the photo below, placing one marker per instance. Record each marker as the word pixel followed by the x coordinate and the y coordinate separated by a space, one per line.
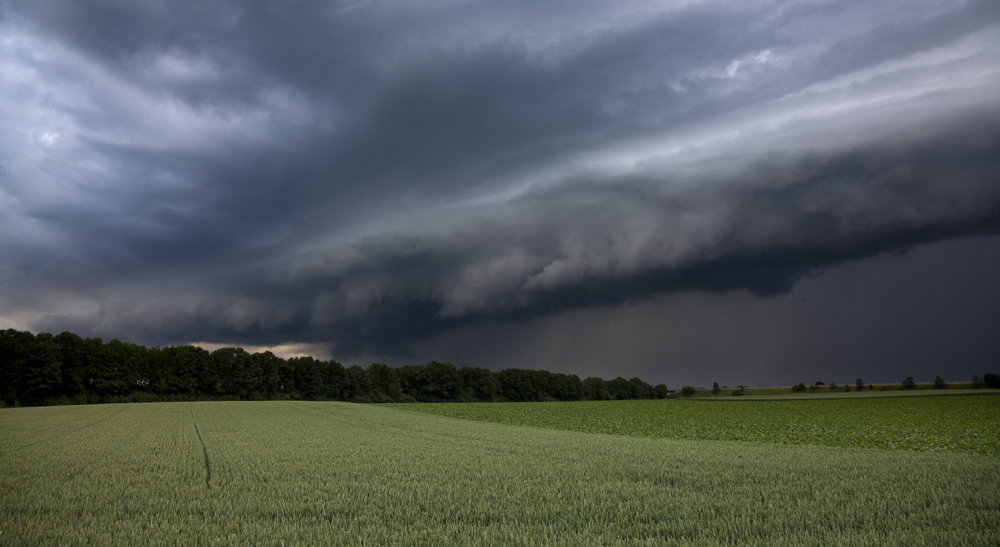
pixel 285 351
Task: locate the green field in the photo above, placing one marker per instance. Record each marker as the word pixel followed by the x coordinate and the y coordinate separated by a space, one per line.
pixel 786 393
pixel 302 473
pixel 963 424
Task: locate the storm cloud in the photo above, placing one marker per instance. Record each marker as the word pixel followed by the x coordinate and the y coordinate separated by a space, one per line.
pixel 374 175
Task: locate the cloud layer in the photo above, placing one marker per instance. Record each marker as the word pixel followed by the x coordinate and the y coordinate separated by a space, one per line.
pixel 374 174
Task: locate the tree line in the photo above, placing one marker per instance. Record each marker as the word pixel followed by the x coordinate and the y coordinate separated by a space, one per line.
pixel 65 368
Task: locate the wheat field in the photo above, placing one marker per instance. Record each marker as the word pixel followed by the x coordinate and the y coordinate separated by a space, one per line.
pixel 323 473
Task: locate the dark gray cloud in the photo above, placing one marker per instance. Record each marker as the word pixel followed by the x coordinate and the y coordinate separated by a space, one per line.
pixel 934 311
pixel 371 175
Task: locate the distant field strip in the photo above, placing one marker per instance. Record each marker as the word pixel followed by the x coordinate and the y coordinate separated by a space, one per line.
pixel 299 473
pixel 961 424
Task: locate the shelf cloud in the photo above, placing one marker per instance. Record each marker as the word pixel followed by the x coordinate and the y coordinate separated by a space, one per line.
pixel 373 175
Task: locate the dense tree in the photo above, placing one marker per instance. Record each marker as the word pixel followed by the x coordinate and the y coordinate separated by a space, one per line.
pixel 443 381
pixel 908 383
pixel 234 367
pixel 637 389
pixel 208 379
pixel 479 384
pixel 541 385
pixel 15 350
pixel 336 381
pixel 361 384
pixel 991 380
pixel 41 371
pixel 859 385
pixel 516 385
pixel 595 389
pixel 939 383
pixel 412 381
pixel 46 369
pixel 268 369
pixel 112 368
pixel 385 382
pixel 618 388
pixel 286 377
pixel 308 377
pixel 73 359
pixel 431 383
pixel 569 387
pixel 184 370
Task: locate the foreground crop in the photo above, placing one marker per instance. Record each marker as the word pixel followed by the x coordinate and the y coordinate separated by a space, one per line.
pixel 334 473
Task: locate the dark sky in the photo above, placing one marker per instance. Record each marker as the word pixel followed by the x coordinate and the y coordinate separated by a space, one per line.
pixel 755 192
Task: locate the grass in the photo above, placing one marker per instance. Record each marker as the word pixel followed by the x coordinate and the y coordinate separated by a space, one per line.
pixel 768 394
pixel 961 424
pixel 299 473
pixel 824 392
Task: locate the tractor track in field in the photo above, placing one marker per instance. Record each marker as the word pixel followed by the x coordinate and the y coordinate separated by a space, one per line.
pixel 204 449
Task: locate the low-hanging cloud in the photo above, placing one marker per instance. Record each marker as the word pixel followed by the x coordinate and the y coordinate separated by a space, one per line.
pixel 334 173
